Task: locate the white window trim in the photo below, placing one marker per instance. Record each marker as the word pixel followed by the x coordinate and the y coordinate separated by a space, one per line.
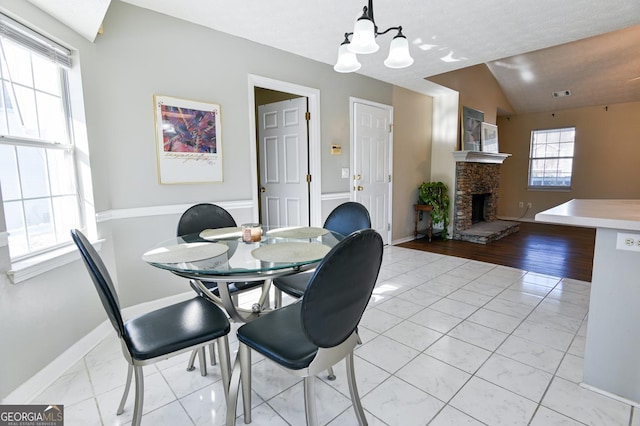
pixel 24 270
pixel 562 188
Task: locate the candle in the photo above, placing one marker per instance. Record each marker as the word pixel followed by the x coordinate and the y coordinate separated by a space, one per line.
pixel 251 232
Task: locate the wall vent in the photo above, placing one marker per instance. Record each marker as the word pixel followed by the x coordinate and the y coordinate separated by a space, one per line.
pixel 561 94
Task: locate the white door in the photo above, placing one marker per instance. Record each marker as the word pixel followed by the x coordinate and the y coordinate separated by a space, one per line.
pixel 372 164
pixel 283 154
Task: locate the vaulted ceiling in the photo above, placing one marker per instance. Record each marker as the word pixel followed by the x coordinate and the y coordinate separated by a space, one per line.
pixel 533 48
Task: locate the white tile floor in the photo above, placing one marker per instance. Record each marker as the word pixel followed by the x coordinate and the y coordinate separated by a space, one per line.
pixel 446 341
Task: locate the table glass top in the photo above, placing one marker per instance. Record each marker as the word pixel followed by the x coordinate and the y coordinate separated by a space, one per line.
pixel 220 252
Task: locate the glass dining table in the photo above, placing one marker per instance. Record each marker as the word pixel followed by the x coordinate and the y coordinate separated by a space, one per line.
pixel 222 256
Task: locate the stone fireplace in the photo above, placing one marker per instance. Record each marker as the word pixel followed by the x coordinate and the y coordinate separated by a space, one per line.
pixel 476 198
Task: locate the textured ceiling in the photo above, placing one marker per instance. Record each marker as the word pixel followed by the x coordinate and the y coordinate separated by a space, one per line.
pixel 597 71
pixel 444 36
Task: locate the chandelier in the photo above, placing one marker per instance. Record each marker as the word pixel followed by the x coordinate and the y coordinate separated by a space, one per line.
pixel 363 42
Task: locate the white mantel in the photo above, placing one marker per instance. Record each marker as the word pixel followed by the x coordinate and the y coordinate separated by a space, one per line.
pixel 480 157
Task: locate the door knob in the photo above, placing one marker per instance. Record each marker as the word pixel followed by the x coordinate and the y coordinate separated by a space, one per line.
pixel 360 188
pixel 263 189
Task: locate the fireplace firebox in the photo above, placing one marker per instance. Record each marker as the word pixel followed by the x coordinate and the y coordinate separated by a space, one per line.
pixel 478 207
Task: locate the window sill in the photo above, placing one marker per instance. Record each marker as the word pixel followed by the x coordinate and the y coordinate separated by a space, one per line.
pixel 30 268
pixel 549 188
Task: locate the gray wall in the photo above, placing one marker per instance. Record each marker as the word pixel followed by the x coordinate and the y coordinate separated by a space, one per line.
pixel 140 54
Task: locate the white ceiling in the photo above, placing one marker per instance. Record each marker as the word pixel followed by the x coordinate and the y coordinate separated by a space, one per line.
pixel 468 32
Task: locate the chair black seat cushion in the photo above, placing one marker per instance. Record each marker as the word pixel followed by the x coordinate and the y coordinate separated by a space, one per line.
pixel 154 334
pixel 279 336
pixel 294 285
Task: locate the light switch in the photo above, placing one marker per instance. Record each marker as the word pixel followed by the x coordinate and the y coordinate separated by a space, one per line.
pixel 345 173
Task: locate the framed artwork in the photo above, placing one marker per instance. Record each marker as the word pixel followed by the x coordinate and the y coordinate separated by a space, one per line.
pixel 489 137
pixel 471 128
pixel 188 142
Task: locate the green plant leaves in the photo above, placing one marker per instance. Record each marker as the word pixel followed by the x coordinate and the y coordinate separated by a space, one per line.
pixel 436 195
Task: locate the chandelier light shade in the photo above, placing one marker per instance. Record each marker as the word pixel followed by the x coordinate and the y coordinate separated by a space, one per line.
pixel 347 61
pixel 399 56
pixel 363 41
pixel 364 37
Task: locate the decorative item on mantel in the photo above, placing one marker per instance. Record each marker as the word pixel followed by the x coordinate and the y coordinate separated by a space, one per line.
pixel 436 194
pixel 471 128
pixel 489 138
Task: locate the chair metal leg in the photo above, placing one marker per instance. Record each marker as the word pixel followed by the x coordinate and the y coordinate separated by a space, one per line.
pixel 310 400
pixel 137 408
pixel 234 388
pixel 244 353
pixel 192 360
pixel 212 351
pixel 331 375
pixel 353 391
pixel 225 363
pixel 127 386
pixel 277 296
pixel 264 301
pixel 202 360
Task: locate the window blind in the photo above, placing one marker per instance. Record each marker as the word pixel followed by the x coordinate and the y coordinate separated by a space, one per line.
pixel 35 41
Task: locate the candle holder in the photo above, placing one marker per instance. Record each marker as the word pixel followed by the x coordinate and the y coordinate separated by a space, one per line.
pixel 251 232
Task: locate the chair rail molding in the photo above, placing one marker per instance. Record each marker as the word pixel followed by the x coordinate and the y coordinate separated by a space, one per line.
pixel 173 209
pixel 336 196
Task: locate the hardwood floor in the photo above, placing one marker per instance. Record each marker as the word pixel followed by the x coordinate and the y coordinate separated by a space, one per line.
pixel 562 251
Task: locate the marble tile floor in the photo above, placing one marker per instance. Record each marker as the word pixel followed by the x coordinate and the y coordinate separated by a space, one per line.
pixel 446 341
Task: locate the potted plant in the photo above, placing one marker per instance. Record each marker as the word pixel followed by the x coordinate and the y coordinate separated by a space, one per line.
pixel 436 195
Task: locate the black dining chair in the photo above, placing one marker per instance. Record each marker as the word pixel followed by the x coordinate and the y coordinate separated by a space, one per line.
pixel 344 219
pixel 194 220
pixel 156 335
pixel 203 216
pixel 319 330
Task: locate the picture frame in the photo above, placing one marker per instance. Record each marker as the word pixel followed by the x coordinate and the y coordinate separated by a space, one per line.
pixel 188 140
pixel 471 128
pixel 489 137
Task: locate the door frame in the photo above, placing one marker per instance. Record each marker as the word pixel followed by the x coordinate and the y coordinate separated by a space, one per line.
pixel 315 153
pixel 352 191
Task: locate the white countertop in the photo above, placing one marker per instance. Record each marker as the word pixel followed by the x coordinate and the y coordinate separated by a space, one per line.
pixel 614 214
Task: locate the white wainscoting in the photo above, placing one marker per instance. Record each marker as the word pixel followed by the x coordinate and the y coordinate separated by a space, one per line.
pixel 331 201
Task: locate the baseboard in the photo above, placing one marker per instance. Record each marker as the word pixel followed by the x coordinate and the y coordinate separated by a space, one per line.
pixel 34 386
pixel 518 219
pixel 402 240
pixel 610 395
pixel 26 392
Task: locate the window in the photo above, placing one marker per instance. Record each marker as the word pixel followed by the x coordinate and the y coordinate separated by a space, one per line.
pixel 37 166
pixel 551 158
